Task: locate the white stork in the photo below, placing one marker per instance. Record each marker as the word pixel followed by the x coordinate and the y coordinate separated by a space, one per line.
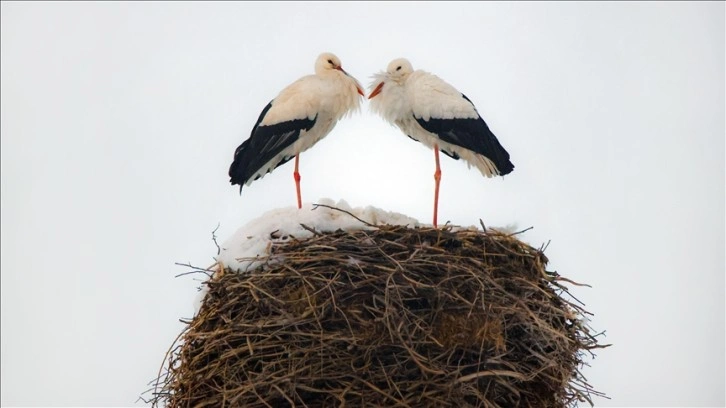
pixel 302 114
pixel 430 111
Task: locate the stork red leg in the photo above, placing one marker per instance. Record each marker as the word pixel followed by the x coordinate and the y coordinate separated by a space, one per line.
pixel 437 177
pixel 296 175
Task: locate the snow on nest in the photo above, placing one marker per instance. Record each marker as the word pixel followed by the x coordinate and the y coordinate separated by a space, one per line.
pixel 247 248
pixel 250 246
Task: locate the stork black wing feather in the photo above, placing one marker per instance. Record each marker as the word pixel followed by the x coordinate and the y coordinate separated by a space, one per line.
pixel 264 143
pixel 472 134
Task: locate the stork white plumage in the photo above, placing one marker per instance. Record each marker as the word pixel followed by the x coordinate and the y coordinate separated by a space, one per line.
pixel 301 114
pixel 429 110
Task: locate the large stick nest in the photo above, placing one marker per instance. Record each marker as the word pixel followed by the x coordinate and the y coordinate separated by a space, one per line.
pixel 392 316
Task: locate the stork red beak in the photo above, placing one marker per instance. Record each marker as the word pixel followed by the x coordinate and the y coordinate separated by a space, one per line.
pixel 360 91
pixel 377 90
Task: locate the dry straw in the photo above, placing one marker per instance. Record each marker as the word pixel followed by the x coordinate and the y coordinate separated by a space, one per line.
pixel 389 316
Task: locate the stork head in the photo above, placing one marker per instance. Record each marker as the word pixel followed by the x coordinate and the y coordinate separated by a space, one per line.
pixel 328 62
pixel 397 71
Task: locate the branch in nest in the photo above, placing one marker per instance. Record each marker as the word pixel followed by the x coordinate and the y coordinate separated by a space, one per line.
pixel 207 271
pixel 315 206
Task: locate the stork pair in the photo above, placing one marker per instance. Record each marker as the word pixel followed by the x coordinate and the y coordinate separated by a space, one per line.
pixel 422 105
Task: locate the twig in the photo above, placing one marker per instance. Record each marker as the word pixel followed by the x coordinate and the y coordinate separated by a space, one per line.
pixel 214 239
pixel 206 271
pixel 316 233
pixel 315 206
pixel 520 232
pixel 545 246
pixel 561 278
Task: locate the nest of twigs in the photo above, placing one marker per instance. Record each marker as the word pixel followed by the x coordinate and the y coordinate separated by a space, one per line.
pixel 392 316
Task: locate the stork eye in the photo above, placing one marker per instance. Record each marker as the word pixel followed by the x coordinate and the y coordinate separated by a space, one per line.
pixel 399 68
pixel 330 62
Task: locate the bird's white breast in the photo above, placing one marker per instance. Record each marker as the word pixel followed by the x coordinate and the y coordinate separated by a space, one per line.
pixel 337 97
pixel 392 103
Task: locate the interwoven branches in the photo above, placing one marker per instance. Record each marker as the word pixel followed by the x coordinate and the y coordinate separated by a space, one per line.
pixel 393 316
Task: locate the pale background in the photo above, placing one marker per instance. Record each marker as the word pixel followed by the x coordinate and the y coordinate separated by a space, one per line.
pixel 119 122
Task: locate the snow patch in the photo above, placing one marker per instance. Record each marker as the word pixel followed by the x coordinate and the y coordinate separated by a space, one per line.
pixel 250 246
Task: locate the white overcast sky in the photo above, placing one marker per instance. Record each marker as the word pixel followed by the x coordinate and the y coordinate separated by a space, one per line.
pixel 119 122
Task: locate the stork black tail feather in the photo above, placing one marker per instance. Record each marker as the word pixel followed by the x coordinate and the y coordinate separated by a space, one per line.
pixel 264 151
pixel 237 172
pixel 495 151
